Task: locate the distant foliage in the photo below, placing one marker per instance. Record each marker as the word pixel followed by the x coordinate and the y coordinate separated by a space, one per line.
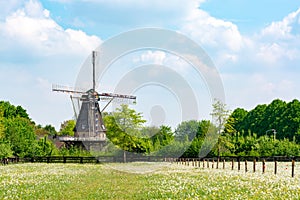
pixel 266 130
pixel 10 111
pixel 279 115
pixel 67 128
pixel 19 136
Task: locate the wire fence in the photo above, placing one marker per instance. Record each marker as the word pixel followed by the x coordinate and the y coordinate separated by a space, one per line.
pixel 276 165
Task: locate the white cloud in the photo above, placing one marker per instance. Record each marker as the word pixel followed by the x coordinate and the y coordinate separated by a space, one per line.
pixel 282 29
pixel 212 31
pixel 277 53
pixel 32 27
pixel 35 51
pixel 279 43
pixel 155 57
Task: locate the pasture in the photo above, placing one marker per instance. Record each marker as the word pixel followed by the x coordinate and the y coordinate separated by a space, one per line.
pixel 141 180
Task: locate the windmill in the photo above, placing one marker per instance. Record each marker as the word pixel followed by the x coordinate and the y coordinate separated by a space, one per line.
pixel 89 128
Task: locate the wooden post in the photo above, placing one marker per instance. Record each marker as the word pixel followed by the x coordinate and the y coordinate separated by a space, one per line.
pixel 232 164
pixel 275 167
pixel 293 167
pixel 124 156
pixel 213 162
pixel 223 163
pixel 246 167
pixel 203 162
pixel 207 162
pixel 65 159
pixel 254 165
pixel 81 160
pixel 264 166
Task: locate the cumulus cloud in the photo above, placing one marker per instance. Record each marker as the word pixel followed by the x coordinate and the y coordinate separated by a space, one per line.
pixel 283 29
pixel 33 28
pixel 279 43
pixel 155 57
pixel 212 31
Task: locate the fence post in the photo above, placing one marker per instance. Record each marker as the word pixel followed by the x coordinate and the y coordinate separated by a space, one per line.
pixel 213 162
pixel 254 165
pixel 218 160
pixel 275 166
pixel 246 167
pixel 207 162
pixel 203 162
pixel 293 167
pixel 239 163
pixel 223 163
pixel 264 166
pixel 232 164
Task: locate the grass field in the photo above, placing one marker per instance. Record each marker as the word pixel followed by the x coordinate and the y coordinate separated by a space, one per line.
pixel 143 181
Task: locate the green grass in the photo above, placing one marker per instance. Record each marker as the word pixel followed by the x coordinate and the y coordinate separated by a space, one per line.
pixel 142 181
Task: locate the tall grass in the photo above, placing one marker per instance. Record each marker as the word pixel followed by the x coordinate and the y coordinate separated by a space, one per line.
pixel 142 181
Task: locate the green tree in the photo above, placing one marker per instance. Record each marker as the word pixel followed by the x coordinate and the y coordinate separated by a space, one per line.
pixel 67 128
pixel 187 129
pixel 11 111
pixel 129 120
pixel 235 120
pixel 50 130
pixel 123 130
pixel 19 132
pixel 220 115
pixel 5 150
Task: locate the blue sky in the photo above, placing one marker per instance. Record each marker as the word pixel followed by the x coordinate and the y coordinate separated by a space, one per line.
pixel 255 46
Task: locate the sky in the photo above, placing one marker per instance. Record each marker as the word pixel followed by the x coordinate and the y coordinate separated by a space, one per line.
pixel 254 45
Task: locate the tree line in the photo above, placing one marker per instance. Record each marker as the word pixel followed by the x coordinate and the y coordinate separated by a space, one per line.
pixel 266 130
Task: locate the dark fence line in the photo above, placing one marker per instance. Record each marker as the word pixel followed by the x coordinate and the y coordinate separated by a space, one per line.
pixel 132 158
pixel 83 159
pixel 215 162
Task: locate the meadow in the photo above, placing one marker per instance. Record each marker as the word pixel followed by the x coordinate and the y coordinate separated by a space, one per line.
pixel 144 181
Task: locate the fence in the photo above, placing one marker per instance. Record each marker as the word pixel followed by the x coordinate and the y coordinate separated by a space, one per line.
pixel 83 159
pixel 242 163
pixel 254 164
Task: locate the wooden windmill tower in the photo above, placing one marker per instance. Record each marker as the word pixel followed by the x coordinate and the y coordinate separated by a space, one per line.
pixel 90 128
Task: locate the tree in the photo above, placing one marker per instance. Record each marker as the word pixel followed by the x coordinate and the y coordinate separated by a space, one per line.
pixel 50 129
pixel 19 132
pixel 128 119
pixel 235 120
pixel 67 128
pixel 220 115
pixel 123 130
pixel 187 130
pixel 11 111
pixel 5 150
